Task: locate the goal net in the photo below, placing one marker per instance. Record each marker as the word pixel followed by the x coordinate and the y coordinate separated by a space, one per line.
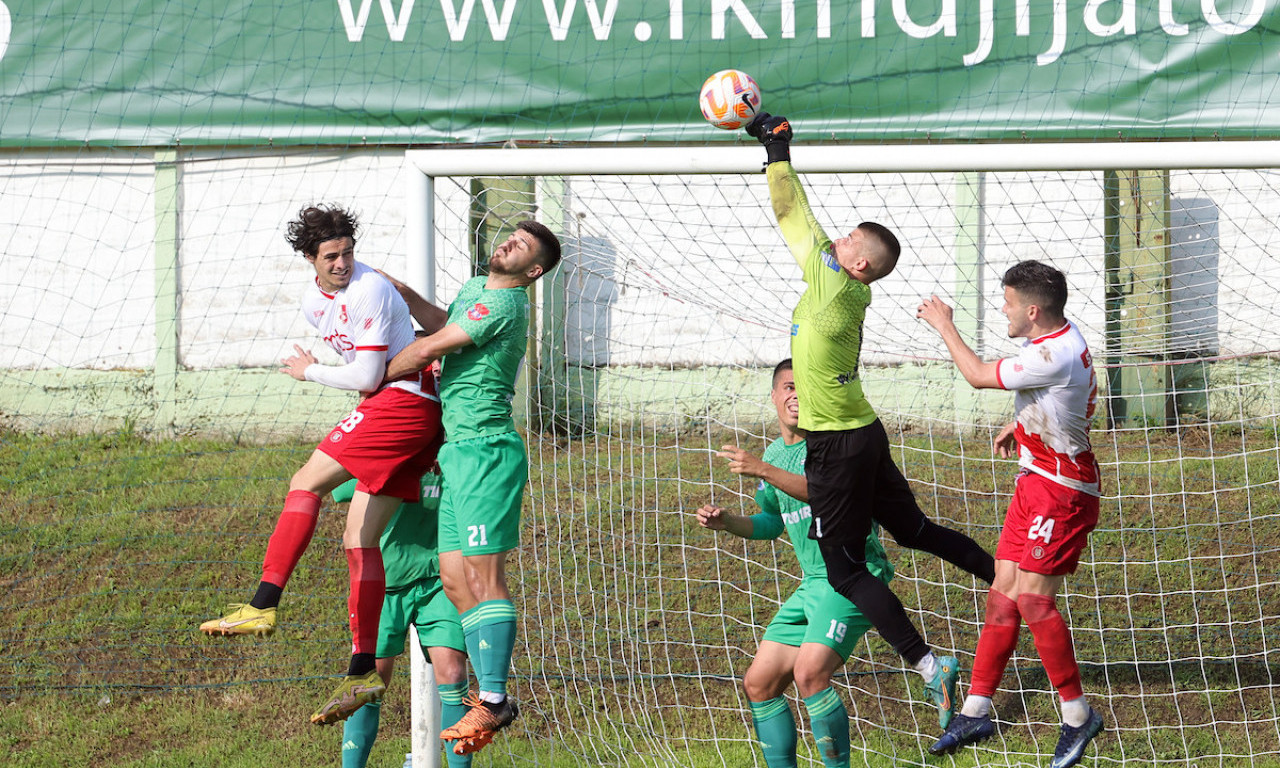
pixel 148 440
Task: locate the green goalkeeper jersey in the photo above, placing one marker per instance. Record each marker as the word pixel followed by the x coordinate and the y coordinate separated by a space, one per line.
pixel 478 382
pixel 779 511
pixel 826 326
pixel 409 542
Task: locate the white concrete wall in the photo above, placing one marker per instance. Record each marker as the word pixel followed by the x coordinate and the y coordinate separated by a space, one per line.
pixel 673 271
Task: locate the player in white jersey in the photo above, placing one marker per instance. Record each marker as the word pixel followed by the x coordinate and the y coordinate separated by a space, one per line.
pixel 1055 501
pixel 386 443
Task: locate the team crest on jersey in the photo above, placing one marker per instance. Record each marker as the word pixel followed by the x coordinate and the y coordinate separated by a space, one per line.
pixel 336 436
pixel 1037 553
pixel 829 258
pixel 478 312
pixel 342 318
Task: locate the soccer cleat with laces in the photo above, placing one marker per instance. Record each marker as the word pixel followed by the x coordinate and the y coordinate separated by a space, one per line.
pixel 243 619
pixel 1073 741
pixel 478 726
pixel 962 732
pixel 351 694
pixel 942 689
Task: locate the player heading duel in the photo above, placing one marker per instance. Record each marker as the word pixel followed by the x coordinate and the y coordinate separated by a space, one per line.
pixel 386 443
pixel 1055 501
pixel 852 479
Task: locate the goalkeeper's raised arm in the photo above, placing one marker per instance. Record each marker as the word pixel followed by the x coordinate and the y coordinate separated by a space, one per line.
pixel 866 254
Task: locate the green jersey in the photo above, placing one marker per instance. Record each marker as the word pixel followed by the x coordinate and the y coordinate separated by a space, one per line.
pixel 478 382
pixel 779 511
pixel 409 542
pixel 826 326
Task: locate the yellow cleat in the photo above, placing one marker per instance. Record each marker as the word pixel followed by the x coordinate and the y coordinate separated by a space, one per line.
pixel 351 694
pixel 243 620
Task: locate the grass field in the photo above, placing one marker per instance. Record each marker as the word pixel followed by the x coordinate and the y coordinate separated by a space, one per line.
pixel 635 623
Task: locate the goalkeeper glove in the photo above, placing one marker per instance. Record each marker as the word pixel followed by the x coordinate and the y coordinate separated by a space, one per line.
pixel 774 133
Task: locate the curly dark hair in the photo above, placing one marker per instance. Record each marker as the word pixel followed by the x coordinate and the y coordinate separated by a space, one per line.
pixel 318 224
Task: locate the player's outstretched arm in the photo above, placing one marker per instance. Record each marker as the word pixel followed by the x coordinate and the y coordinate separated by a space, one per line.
pixel 428 315
pixel 716 519
pixel 743 462
pixel 363 374
pixel 979 374
pixel 805 237
pixel 427 350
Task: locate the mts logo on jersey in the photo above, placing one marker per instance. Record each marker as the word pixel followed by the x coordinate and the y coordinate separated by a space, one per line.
pixel 339 342
pixel 478 312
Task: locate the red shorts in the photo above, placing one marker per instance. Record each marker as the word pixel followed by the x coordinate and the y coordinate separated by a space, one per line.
pixel 388 443
pixel 1047 526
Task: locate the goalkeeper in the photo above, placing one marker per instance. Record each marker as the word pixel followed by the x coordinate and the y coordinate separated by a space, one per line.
pixel 853 482
pixel 816 629
pixel 414 596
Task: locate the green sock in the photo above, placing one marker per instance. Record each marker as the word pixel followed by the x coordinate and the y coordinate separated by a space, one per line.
pixel 451 711
pixel 471 635
pixel 776 732
pixel 358 733
pixel 830 723
pixel 493 623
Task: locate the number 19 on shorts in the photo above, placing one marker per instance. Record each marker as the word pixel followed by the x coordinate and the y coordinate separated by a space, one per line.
pixel 477 536
pixel 837 631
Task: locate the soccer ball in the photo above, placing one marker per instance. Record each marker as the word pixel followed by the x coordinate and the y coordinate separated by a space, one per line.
pixel 729 99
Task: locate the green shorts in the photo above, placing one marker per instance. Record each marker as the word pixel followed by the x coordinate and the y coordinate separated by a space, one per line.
pixel 424 605
pixel 484 479
pixel 816 613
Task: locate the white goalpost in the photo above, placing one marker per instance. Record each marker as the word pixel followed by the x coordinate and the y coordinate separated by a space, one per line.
pixel 651 348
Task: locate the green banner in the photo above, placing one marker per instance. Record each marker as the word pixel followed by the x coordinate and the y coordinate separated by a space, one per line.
pixel 447 71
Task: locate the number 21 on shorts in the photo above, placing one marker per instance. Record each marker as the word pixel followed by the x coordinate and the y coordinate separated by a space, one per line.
pixel 1041 528
pixel 477 536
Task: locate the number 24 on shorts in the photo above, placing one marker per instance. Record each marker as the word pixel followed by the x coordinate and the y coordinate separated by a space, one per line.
pixel 1041 528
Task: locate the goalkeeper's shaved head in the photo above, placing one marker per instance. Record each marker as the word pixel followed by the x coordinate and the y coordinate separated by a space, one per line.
pixel 884 256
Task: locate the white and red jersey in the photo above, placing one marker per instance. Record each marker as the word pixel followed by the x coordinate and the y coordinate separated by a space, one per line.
pixel 368 314
pixel 1056 391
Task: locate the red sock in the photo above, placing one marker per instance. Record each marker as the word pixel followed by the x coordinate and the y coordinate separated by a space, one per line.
pixel 1053 641
pixel 364 604
pixel 293 533
pixel 995 645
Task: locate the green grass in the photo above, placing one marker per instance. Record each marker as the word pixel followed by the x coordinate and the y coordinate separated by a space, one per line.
pixel 636 624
